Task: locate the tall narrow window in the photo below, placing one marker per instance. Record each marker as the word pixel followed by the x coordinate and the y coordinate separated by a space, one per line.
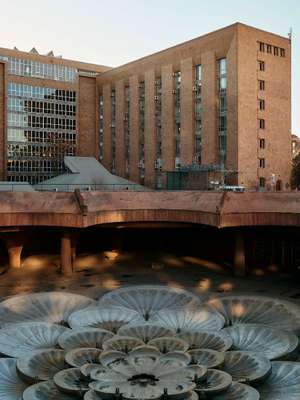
pixel 262 182
pixel 101 126
pixel 261 104
pixel 113 130
pixel 262 143
pixel 262 124
pixel 262 163
pixel 261 46
pixel 198 93
pixel 222 111
pixel 127 129
pixel 142 129
pixel 261 85
pixel 269 48
pixel 276 51
pixel 177 84
pixel 282 52
pixel 261 65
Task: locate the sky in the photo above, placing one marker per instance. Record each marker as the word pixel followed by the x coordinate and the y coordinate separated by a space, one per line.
pixel 118 31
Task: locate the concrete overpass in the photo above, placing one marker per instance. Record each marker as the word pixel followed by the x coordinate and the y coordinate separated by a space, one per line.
pixel 72 212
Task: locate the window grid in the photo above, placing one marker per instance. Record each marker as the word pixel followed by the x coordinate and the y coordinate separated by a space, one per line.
pixel 142 129
pixel 222 111
pixel 37 69
pixel 41 131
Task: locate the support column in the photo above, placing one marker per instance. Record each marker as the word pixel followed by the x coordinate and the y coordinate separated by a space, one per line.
pixel 239 255
pixel 66 253
pixel 14 247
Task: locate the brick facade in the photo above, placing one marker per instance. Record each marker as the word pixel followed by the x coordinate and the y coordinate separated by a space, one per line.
pixel 240 45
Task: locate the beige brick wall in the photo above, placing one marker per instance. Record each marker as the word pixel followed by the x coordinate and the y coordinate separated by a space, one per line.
pixel 88 118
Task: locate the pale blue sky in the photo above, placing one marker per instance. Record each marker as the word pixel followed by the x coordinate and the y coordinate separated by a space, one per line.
pixel 115 32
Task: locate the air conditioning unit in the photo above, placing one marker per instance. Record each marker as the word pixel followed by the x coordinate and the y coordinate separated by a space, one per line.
pixel 141 164
pixel 194 88
pixel 155 97
pixel 101 116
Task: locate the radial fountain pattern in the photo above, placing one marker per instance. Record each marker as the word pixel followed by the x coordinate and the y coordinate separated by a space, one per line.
pixel 147 343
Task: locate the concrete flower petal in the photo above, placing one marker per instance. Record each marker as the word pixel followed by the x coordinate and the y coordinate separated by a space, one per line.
pixel 18 340
pixel 52 307
pixel 41 366
pixel 11 385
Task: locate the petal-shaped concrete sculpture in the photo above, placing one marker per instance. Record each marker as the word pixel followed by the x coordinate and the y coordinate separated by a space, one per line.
pixel 52 307
pixel 219 341
pixel 84 337
pixel 45 391
pixel 148 299
pixel 21 339
pixel 283 383
pixel 110 319
pixel 262 340
pixel 42 365
pixel 279 314
pixel 186 320
pixel 246 367
pixel 11 386
pixel 85 355
pixel 238 391
pixel 145 331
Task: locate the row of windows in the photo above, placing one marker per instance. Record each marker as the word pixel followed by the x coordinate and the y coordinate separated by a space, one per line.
pixel 35 166
pixel 37 69
pixel 33 121
pixel 43 93
pixel 37 150
pixel 41 107
pixel 33 179
pixel 268 48
pixel 24 135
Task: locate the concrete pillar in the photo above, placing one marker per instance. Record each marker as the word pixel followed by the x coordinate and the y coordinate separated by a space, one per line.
pixel 14 248
pixel 66 253
pixel 239 255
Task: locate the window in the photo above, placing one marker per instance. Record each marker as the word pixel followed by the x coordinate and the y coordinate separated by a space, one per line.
pixel 282 52
pixel 261 65
pixel 262 182
pixel 261 104
pixel 269 48
pixel 261 85
pixel 276 51
pixel 262 124
pixel 262 163
pixel 261 46
pixel 262 143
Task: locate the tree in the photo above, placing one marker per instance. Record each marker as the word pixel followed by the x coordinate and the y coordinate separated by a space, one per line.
pixel 295 176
